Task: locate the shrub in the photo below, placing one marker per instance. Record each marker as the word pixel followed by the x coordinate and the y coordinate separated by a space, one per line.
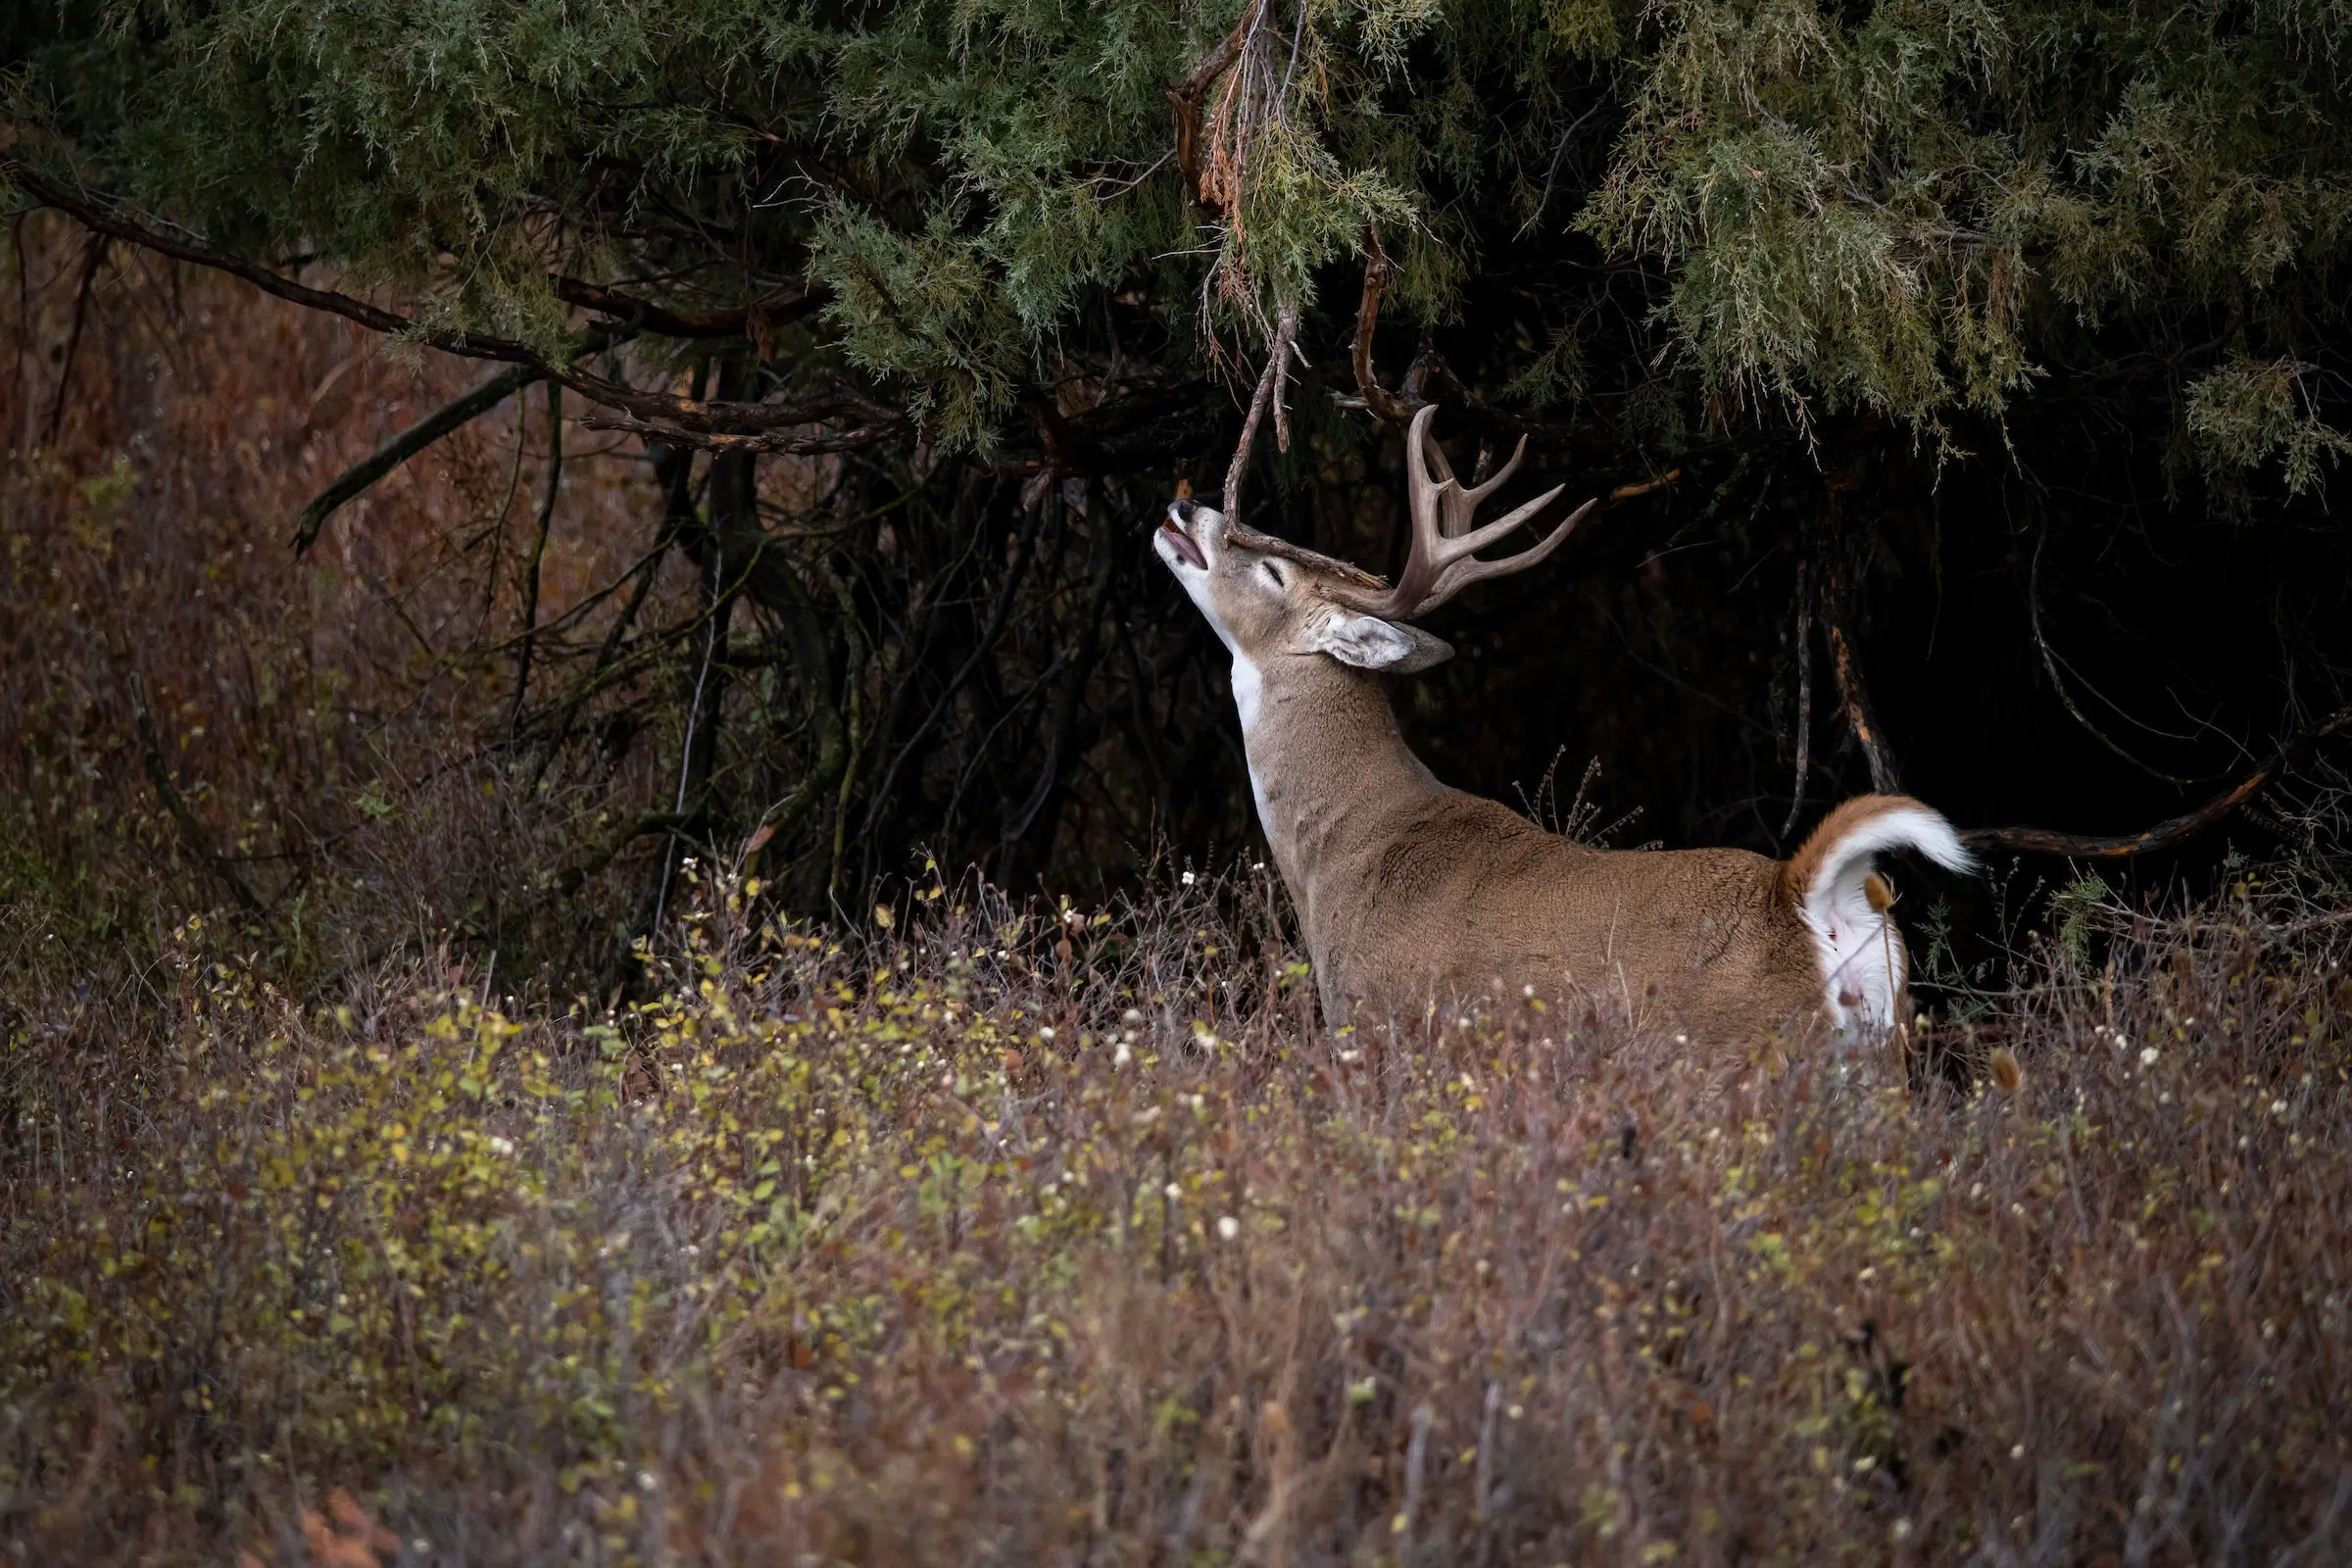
pixel 1031 1234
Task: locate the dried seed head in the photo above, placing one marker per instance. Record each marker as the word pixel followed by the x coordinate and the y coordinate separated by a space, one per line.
pixel 2005 1071
pixel 1880 892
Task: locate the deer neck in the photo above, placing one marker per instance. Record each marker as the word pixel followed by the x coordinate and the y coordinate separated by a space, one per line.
pixel 1328 767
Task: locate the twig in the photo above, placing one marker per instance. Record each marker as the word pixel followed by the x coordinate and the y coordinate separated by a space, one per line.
pixel 2297 750
pixel 92 260
pixel 1379 399
pixel 1187 97
pixel 530 575
pixel 1282 401
pixel 1024 548
pixel 1277 370
pixel 1416 1455
pixel 1481 1485
pixel 1856 697
pixel 453 415
pixel 159 773
pixel 734 519
pixel 676 474
pixel 2051 663
pixel 1804 700
pixel 1846 666
pixel 102 215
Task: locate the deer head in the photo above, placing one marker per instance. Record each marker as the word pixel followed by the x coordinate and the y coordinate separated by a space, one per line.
pixel 1268 597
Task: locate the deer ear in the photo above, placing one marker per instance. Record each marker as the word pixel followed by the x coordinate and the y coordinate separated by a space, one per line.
pixel 1369 643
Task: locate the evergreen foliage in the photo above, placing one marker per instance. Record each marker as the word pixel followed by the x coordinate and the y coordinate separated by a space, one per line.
pixel 1920 254
pixel 1910 207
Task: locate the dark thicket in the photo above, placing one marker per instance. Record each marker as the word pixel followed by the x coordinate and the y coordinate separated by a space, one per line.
pixel 1998 351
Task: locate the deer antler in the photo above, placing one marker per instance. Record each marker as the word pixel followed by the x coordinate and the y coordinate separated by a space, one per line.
pixel 1442 560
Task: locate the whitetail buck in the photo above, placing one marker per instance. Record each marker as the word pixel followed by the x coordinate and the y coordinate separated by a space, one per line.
pixel 1412 893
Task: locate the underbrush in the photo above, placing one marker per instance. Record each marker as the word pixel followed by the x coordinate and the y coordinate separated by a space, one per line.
pixel 1053 1236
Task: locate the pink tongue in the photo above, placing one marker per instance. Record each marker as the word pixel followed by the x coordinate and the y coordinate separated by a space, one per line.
pixel 1185 547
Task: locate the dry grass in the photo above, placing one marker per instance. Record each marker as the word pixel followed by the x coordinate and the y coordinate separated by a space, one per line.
pixel 971 1245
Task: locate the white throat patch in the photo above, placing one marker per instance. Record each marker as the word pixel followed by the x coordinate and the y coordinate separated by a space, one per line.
pixel 1248 682
pixel 1248 690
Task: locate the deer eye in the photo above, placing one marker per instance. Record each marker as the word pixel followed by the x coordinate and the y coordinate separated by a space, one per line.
pixel 1273 571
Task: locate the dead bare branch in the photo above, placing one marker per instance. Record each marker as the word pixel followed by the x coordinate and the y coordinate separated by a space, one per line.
pixel 450 416
pixel 1187 97
pixel 1277 370
pixel 768 442
pixel 2297 750
pixel 159 773
pixel 104 216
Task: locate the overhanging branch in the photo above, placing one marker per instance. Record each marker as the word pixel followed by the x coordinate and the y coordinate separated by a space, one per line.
pixel 104 215
pixel 768 442
pixel 1187 97
pixel 1432 377
pixel 645 316
pixel 2298 750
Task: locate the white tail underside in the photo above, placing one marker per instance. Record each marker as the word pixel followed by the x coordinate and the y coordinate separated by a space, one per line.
pixel 1861 956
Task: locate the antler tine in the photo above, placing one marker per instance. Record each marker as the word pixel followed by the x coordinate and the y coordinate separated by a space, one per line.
pixel 1456 503
pixel 1461 506
pixel 1472 496
pixel 1429 499
pixel 1441 562
pixel 1465 570
pixel 1424 493
pixel 1424 446
pixel 1462 544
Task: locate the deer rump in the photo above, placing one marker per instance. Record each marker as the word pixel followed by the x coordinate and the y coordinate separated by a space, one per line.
pixel 1726 944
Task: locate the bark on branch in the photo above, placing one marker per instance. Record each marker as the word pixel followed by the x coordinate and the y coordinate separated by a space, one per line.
pixel 2297 750
pixel 1188 96
pixel 1845 659
pixel 1269 390
pixel 359 476
pixel 1379 399
pixel 682 417
pixel 766 442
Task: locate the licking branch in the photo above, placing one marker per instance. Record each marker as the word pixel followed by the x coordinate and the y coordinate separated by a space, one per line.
pixel 1269 390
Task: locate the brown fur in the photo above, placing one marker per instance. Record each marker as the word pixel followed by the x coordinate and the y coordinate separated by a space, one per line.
pixel 1413 893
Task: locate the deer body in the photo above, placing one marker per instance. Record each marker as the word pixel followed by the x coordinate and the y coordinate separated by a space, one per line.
pixel 1410 891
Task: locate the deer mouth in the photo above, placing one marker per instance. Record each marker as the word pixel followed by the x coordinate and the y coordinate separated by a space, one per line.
pixel 1178 540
